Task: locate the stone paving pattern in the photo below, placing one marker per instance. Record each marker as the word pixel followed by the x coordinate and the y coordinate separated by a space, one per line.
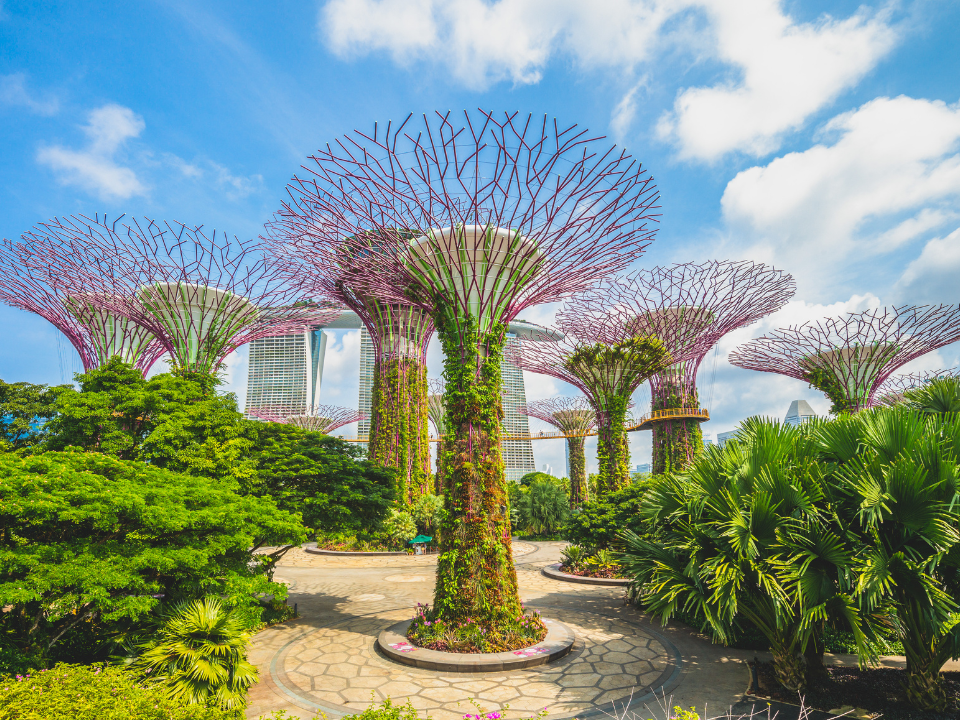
pixel 326 660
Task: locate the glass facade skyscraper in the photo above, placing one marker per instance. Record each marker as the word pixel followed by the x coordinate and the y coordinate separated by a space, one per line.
pixel 285 371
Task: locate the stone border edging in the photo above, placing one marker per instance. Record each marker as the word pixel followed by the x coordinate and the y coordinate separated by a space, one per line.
pixel 553 572
pixel 313 549
pixel 392 642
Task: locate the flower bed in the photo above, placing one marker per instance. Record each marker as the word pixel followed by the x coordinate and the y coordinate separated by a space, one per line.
pixel 426 631
pixel 879 691
pixel 613 572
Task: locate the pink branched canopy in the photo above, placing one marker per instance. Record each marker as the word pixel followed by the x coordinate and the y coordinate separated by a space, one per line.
pixel 570 415
pixel 688 306
pixel 486 213
pixel 202 294
pixel 319 418
pixel 34 279
pixel 893 388
pixel 856 353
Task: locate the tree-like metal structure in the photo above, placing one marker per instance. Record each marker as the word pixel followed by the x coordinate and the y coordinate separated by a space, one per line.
pixel 848 358
pixel 891 392
pixel 575 418
pixel 690 307
pixel 200 294
pixel 473 219
pixel 319 418
pixel 607 374
pixel 32 280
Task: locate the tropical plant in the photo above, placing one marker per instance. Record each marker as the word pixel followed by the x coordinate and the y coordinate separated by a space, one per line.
pixel 603 560
pixel 399 527
pixel 598 522
pixel 573 556
pixel 543 507
pixel 427 512
pixel 199 654
pixel 899 471
pixel 935 397
pixel 748 532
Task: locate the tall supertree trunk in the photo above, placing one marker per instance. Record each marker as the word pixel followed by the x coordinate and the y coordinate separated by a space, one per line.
pixel 399 436
pixel 613 447
pixel 676 442
pixel 579 491
pixel 475 573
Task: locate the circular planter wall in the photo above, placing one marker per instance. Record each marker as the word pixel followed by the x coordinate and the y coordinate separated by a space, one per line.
pixel 558 642
pixel 553 571
pixel 312 548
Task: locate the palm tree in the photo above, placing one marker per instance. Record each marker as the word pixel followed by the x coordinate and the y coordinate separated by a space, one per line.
pixel 544 507
pixel 748 532
pixel 903 503
pixel 199 652
pixel 938 396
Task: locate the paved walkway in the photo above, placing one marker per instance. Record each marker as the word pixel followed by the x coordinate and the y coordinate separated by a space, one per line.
pixel 326 660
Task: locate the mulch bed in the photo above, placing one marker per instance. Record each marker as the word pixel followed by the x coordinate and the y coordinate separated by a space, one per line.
pixel 606 573
pixel 877 690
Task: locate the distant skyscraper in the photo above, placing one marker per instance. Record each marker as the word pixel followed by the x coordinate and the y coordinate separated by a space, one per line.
pixel 286 371
pixel 643 468
pixel 517 454
pixel 724 436
pixel 368 359
pixel 799 413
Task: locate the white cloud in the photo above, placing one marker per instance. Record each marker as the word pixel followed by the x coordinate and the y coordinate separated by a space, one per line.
pixel 624 112
pixel 13 91
pixel 237 187
pixel 95 168
pixel 932 277
pixel 890 173
pixel 786 72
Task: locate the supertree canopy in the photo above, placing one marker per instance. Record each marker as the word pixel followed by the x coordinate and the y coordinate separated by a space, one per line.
pixel 319 418
pixel 848 358
pixel 575 418
pixel 32 281
pixel 200 294
pixel 504 212
pixel 690 307
pixel 893 388
pixel 400 332
pixel 607 374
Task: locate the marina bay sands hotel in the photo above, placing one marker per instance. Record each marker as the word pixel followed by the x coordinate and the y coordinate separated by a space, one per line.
pixel 287 371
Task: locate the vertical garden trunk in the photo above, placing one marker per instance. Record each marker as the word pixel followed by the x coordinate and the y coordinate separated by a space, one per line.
pixel 579 492
pixel 399 436
pixel 613 449
pixel 676 442
pixel 475 573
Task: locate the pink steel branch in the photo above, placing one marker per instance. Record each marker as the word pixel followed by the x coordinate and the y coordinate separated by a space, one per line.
pixel 586 212
pixel 893 388
pixel 688 306
pixel 319 418
pixel 201 294
pixel 570 415
pixel 859 351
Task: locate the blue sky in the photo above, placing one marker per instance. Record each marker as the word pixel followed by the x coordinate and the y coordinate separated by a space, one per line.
pixel 821 137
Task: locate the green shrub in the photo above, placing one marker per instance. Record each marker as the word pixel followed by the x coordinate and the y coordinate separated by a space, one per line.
pixel 598 522
pixel 399 527
pixel 90 692
pixel 387 711
pixel 427 512
pixel 543 507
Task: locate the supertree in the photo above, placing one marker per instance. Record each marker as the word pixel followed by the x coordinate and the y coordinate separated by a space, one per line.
pixel 848 358
pixel 200 294
pixel 893 388
pixel 690 307
pixel 31 280
pixel 400 332
pixel 504 213
pixel 438 418
pixel 319 418
pixel 607 373
pixel 575 418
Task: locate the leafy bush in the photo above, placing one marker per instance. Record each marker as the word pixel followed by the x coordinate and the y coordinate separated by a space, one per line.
pixel 543 507
pixel 90 541
pixel 199 654
pixel 386 711
pixel 427 512
pixel 598 522
pixel 86 692
pixel 399 527
pixel 573 557
pixel 471 636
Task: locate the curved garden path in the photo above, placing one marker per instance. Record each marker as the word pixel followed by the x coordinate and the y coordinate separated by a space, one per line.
pixel 326 659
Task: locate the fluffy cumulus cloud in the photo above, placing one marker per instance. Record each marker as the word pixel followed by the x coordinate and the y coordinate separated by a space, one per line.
pixel 96 167
pixel 932 276
pixel 777 71
pixel 881 177
pixel 784 72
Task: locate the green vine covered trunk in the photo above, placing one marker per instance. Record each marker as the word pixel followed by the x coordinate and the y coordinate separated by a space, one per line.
pixel 399 436
pixel 675 442
pixel 613 447
pixel 475 573
pixel 579 492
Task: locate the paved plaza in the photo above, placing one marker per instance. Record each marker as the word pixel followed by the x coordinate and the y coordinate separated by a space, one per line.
pixel 326 660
